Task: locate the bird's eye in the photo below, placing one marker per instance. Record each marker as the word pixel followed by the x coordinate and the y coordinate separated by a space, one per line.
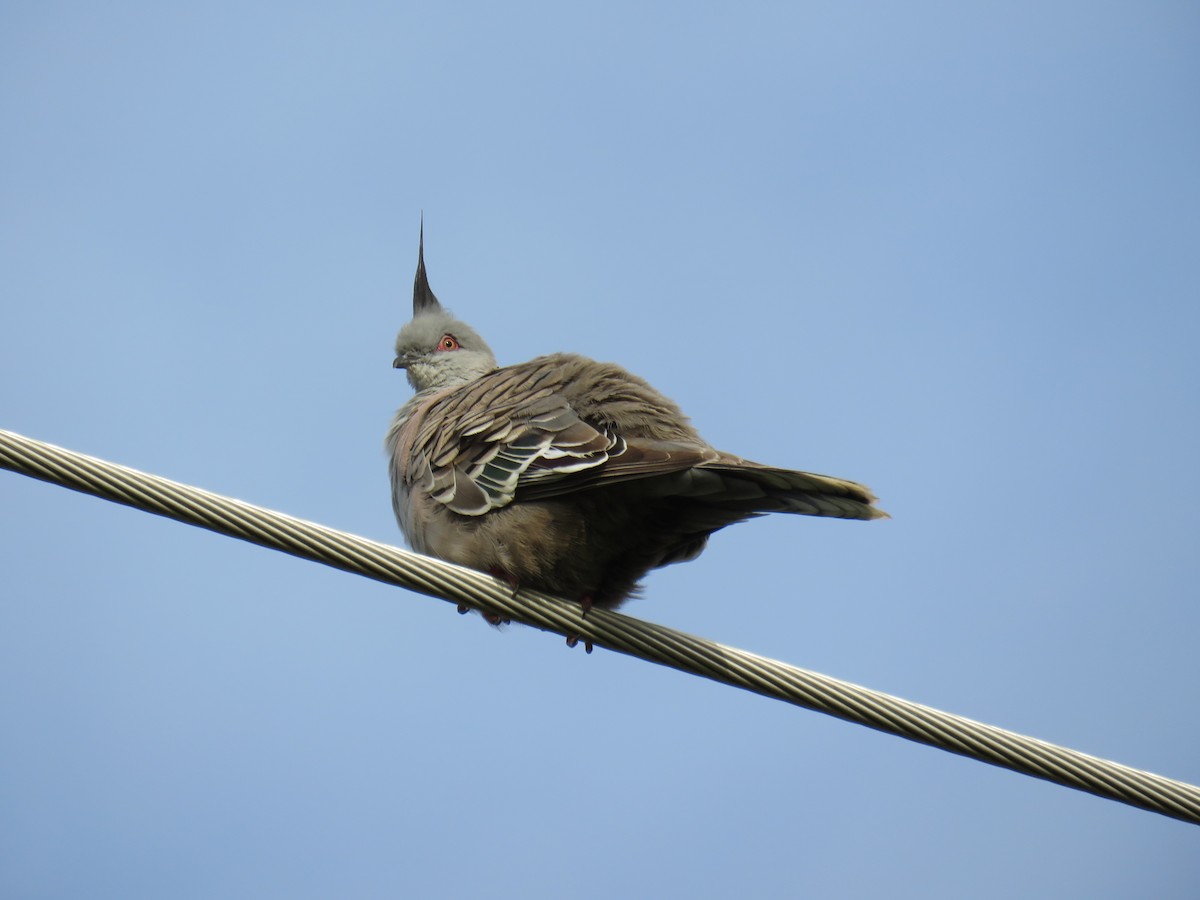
pixel 448 342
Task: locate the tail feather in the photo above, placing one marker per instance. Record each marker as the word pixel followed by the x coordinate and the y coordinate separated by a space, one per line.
pixel 740 484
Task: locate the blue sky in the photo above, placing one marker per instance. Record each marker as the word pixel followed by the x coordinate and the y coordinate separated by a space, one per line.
pixel 949 250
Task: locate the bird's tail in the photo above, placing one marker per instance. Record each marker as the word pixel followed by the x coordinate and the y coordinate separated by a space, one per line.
pixel 738 484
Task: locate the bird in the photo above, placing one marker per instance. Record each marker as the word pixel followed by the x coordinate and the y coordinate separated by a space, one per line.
pixel 562 474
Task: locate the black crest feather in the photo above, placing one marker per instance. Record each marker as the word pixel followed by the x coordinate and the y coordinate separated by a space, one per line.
pixel 424 300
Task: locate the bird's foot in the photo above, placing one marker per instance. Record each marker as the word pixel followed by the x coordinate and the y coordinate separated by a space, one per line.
pixel 573 639
pixel 507 577
pixel 511 580
pixel 490 617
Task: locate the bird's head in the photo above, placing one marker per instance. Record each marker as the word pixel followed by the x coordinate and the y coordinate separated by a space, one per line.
pixel 436 349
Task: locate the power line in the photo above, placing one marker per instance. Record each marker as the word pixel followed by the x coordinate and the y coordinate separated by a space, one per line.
pixel 601 627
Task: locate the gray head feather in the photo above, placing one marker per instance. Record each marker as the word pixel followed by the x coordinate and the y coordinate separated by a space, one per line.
pixel 436 349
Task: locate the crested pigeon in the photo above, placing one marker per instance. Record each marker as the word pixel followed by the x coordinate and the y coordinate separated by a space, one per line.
pixel 563 474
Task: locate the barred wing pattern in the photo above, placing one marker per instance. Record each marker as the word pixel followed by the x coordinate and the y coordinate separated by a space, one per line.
pixel 561 424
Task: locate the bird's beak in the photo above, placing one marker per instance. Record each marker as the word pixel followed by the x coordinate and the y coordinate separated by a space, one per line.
pixel 400 362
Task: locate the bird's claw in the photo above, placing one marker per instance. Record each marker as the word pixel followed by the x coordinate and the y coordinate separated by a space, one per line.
pixel 490 617
pixel 573 640
pixel 507 577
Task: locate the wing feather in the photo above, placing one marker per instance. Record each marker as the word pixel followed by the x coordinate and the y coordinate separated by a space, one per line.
pixel 561 424
pixel 517 431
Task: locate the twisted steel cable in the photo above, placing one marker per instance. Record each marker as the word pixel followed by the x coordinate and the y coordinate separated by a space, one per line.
pixel 601 627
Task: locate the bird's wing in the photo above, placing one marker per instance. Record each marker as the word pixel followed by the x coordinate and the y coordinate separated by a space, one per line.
pixel 561 424
pixel 517 431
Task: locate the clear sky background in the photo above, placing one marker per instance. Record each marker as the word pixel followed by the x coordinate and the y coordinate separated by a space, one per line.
pixel 950 250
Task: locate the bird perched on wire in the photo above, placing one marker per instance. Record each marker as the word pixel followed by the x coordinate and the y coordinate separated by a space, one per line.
pixel 563 474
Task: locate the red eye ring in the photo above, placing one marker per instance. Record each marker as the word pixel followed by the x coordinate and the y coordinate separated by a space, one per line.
pixel 448 342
